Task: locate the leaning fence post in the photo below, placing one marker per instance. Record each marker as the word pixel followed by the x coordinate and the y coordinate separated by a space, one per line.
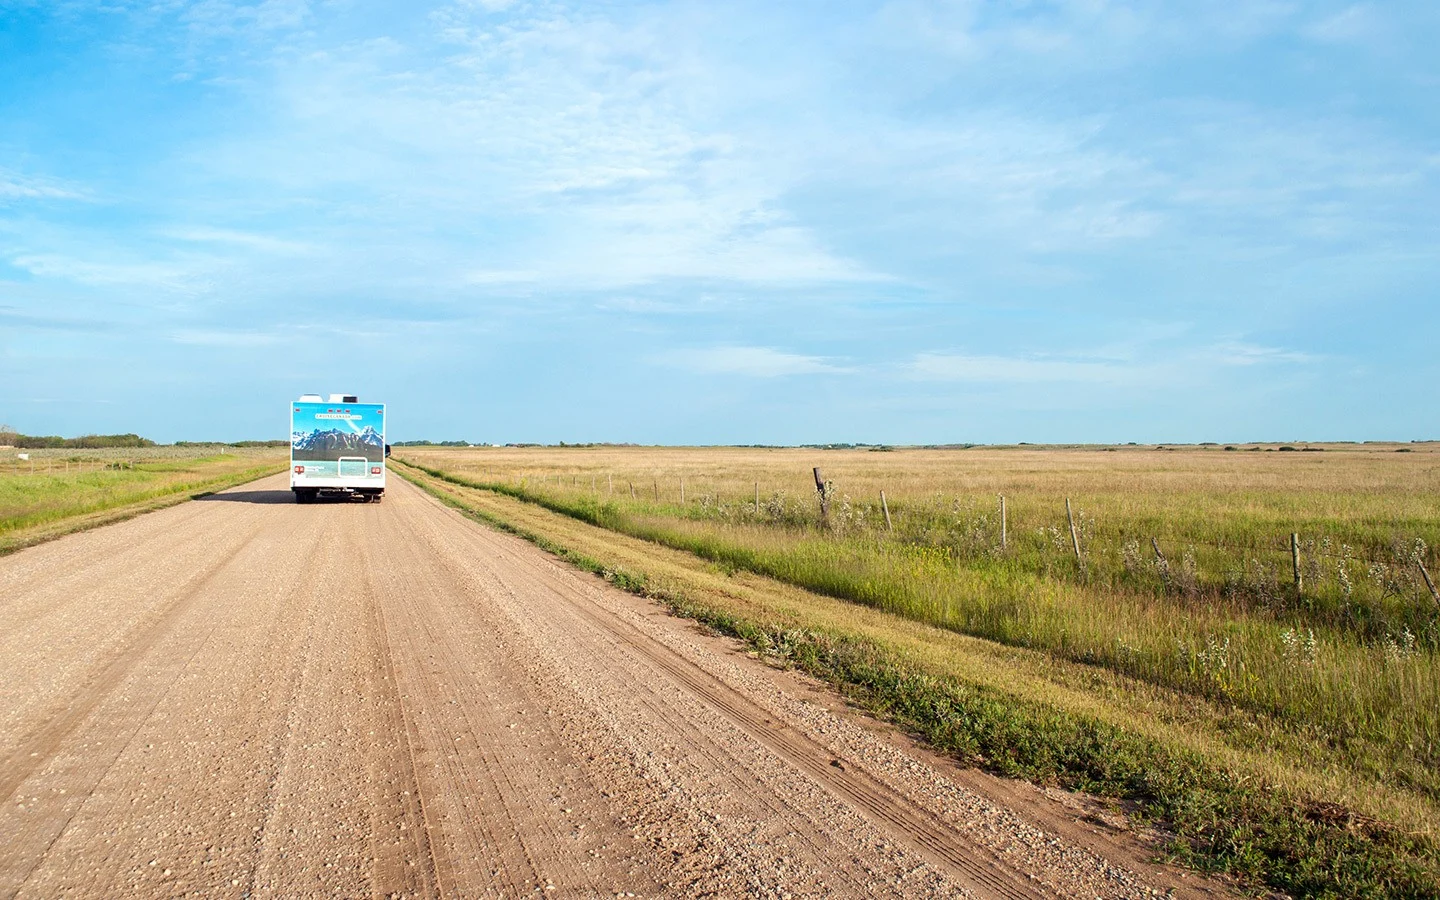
pixel 1295 561
pixel 1004 525
pixel 1434 594
pixel 1159 557
pixel 632 490
pixel 824 497
pixel 885 507
pixel 1074 535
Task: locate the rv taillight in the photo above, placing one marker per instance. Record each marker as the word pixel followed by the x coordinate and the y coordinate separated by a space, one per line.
pixel 299 470
pixel 374 470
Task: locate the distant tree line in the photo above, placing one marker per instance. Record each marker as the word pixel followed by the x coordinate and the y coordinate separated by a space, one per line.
pixel 9 437
pixel 232 443
pixel 430 444
pixel 84 442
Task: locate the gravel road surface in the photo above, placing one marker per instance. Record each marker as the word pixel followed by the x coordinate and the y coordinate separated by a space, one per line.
pixel 242 697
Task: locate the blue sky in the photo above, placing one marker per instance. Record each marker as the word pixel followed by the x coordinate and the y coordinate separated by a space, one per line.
pixel 911 222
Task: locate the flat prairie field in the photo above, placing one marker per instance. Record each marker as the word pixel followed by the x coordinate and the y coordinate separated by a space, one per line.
pixel 56 491
pixel 1286 590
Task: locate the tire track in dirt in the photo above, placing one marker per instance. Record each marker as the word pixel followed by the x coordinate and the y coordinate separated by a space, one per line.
pixel 907 825
pixel 40 745
pixel 58 564
pixel 62 629
pixel 965 860
pixel 392 773
pixel 684 756
pixel 57 769
pixel 473 723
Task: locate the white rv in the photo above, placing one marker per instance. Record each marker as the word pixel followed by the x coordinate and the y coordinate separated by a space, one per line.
pixel 337 448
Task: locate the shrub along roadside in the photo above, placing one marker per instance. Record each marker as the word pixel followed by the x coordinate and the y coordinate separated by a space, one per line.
pixel 1220 821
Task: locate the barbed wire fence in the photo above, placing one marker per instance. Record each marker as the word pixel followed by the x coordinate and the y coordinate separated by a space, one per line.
pixel 1287 570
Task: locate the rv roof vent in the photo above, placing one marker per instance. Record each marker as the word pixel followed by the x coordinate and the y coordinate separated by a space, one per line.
pixel 311 398
pixel 349 398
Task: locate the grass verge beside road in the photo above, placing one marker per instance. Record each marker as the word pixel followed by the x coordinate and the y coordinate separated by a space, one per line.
pixel 1363 688
pixel 73 491
pixel 1237 792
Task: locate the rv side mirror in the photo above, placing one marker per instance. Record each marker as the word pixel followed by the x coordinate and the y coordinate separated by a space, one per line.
pixel 387 449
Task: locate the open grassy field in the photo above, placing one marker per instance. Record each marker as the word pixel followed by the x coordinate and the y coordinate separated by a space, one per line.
pixel 1329 688
pixel 58 491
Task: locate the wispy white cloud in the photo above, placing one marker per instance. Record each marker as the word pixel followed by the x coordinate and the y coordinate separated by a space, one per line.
pixel 1140 364
pixel 1083 33
pixel 222 18
pixel 247 239
pixel 14 186
pixel 1017 370
pixel 500 276
pixel 755 362
pixel 567 148
pixel 218 338
pixel 1240 353
pixel 577 140
pixel 110 274
pixel 1357 23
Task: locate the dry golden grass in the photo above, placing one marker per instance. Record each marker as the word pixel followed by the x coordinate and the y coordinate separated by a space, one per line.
pixel 1252 747
pixel 1354 657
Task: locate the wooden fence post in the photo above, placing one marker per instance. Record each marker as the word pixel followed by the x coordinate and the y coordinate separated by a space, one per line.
pixel 1434 594
pixel 657 490
pixel 632 490
pixel 757 498
pixel 885 507
pixel 1074 535
pixel 1160 557
pixel 610 482
pixel 824 497
pixel 1004 525
pixel 682 490
pixel 1295 561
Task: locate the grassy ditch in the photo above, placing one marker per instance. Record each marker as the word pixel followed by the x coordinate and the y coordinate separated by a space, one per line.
pixel 1375 703
pixel 71 491
pixel 1237 793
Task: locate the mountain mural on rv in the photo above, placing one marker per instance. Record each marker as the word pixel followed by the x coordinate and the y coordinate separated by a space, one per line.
pixel 333 443
pixel 321 432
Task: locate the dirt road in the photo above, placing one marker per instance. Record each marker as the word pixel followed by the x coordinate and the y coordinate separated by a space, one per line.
pixel 245 697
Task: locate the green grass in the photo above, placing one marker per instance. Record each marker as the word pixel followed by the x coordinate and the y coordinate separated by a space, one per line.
pixel 1376 702
pixel 1238 812
pixel 77 491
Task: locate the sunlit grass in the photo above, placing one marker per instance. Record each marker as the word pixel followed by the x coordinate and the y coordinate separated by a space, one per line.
pixel 1352 656
pixel 1237 790
pixel 53 488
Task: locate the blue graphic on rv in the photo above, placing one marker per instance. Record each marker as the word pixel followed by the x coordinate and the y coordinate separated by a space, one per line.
pixel 349 430
pixel 337 448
